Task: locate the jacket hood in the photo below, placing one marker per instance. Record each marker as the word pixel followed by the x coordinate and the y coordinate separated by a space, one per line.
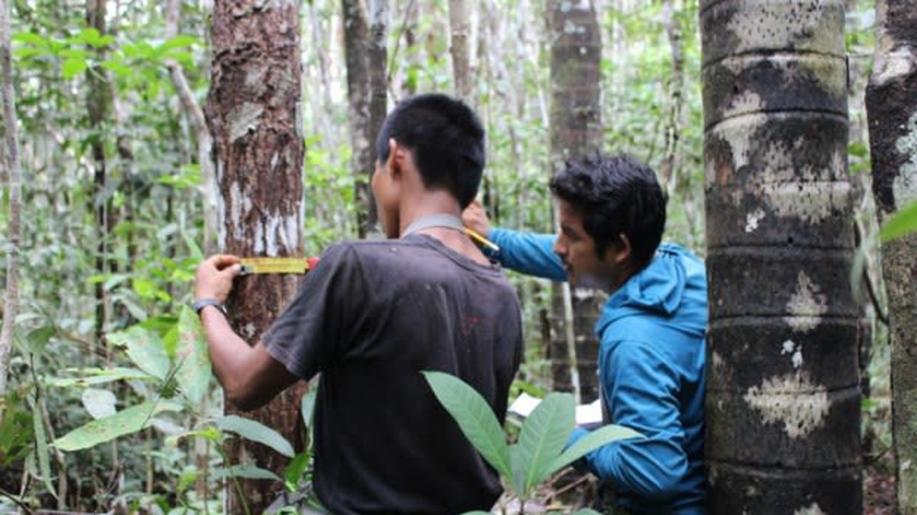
pixel 673 286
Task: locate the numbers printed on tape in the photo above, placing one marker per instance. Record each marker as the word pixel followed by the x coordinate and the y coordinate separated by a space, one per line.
pixel 274 265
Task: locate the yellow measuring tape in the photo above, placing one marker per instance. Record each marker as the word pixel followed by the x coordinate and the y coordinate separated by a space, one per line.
pixel 277 265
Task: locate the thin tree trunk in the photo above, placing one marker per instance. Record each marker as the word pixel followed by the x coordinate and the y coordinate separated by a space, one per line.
pixel 783 397
pixel 202 135
pixel 668 169
pixel 14 180
pixel 364 49
pixel 575 121
pixel 98 103
pixel 253 115
pixel 459 29
pixel 891 103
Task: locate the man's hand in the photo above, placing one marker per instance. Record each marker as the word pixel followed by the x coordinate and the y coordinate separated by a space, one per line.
pixel 214 277
pixel 476 219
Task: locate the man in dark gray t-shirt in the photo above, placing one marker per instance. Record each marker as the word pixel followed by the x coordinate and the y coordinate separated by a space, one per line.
pixel 373 314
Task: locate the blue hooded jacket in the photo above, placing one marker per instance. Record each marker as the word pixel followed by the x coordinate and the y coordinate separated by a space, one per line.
pixel 651 367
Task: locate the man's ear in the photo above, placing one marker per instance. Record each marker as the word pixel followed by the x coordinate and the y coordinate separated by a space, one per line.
pixel 395 157
pixel 622 251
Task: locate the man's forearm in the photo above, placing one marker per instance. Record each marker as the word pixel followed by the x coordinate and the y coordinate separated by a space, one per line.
pixel 229 353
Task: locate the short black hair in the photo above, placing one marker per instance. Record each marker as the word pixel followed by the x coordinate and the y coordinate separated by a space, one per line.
pixel 447 140
pixel 614 195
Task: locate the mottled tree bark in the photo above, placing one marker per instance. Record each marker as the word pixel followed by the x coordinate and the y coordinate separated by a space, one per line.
pixel 668 167
pixel 365 56
pixel 783 398
pixel 459 30
pixel 575 120
pixel 253 111
pixel 891 103
pixel 13 175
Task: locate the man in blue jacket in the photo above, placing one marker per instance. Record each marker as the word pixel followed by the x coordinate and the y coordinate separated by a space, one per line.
pixel 651 329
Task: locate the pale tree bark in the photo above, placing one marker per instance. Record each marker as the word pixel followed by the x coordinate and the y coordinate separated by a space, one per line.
pixel 365 56
pixel 199 126
pixel 253 111
pixel 783 398
pixel 575 121
pixel 459 29
pixel 668 168
pixel 14 181
pixel 891 103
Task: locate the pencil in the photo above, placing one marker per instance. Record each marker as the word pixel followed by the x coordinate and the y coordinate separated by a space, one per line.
pixel 482 240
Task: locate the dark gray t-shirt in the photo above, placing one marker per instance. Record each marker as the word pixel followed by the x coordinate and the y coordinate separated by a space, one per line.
pixel 370 317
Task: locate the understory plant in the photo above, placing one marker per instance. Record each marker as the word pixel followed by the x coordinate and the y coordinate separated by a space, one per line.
pixel 539 452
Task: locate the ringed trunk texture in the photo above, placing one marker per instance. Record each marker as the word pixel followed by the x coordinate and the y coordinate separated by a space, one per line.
pixel 891 104
pixel 783 397
pixel 253 112
pixel 576 131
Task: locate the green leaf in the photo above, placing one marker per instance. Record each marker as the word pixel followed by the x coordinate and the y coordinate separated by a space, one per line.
pixel 543 436
pixel 73 67
pixel 99 403
pixel 41 447
pixel 307 406
pixel 38 339
pixel 295 469
pixel 145 288
pixel 595 439
pixel 246 472
pixel 902 223
pixel 103 430
pixel 180 41
pixel 474 417
pixel 146 350
pixel 194 363
pixel 97 376
pixel 256 432
pixel 586 511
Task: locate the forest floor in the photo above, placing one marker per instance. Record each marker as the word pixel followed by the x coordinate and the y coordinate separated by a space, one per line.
pixel 879 491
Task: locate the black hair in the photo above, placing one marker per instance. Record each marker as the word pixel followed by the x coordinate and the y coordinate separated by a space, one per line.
pixel 447 141
pixel 615 195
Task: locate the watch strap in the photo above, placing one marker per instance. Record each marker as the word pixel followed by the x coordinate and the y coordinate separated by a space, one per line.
pixel 200 304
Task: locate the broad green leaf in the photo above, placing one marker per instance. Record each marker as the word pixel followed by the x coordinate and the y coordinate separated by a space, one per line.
pixel 38 339
pixel 194 363
pixel 517 465
pixel 543 436
pixel 256 432
pixel 122 423
pixel 476 512
pixel 145 288
pixel 99 403
pixel 145 349
pixel 595 439
pixel 245 472
pixel 586 511
pixel 474 417
pixel 294 470
pixel 94 376
pixel 73 67
pixel 902 223
pixel 30 38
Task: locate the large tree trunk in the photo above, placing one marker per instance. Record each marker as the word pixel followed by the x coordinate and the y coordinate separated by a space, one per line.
pixel 783 398
pixel 14 177
pixel 253 114
pixel 365 56
pixel 891 102
pixel 576 48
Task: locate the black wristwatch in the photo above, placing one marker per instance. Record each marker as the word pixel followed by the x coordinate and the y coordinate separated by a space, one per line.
pixel 200 304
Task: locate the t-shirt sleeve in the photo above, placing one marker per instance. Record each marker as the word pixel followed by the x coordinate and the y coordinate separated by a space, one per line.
pixel 528 253
pixel 318 324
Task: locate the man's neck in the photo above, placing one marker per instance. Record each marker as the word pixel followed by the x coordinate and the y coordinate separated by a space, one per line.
pixel 427 204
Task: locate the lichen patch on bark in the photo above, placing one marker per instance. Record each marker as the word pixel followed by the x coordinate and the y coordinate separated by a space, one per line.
pixel 806 305
pixel 791 400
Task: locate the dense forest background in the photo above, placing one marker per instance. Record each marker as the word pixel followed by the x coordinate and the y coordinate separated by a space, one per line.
pixel 113 215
